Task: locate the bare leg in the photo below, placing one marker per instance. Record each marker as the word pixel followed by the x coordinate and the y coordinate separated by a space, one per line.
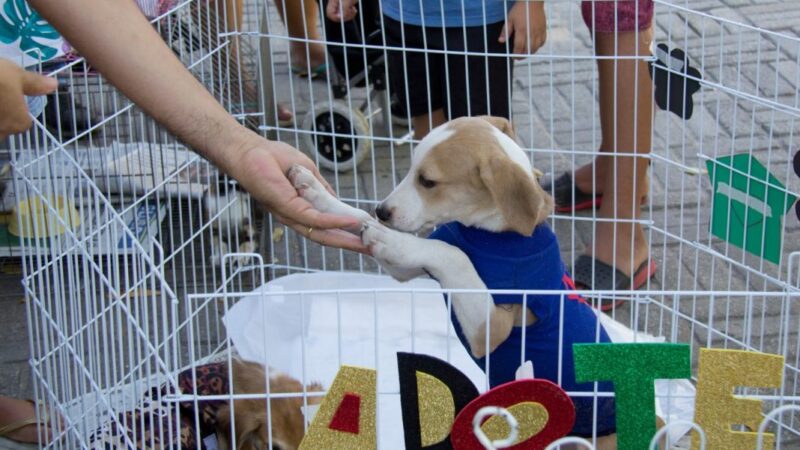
pixel 626 109
pixel 425 123
pixel 13 410
pixel 301 18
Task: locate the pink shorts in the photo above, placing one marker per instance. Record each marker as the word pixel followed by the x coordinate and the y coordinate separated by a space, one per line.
pixel 601 14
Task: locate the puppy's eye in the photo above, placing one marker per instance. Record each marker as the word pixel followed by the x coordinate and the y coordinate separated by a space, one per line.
pixel 426 183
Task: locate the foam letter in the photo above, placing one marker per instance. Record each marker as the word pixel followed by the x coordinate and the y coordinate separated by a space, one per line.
pixel 633 368
pixel 432 392
pixel 716 409
pixel 346 416
pixel 542 409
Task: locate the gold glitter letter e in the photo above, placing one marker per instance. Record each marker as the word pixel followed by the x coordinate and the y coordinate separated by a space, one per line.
pixel 719 373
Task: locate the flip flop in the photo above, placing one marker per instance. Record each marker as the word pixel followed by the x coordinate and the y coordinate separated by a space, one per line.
pixel 608 278
pixel 568 198
pixel 303 72
pixel 41 418
pixel 567 202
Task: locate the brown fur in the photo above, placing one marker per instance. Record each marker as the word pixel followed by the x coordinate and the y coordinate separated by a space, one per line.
pixel 252 431
pixel 473 165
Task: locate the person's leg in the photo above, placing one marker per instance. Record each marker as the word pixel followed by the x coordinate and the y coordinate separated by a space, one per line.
pixel 423 124
pixel 626 117
pixel 302 18
pixel 478 85
pixel 418 68
pixel 13 411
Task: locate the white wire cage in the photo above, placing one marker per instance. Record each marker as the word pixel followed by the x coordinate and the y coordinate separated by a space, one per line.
pixel 122 244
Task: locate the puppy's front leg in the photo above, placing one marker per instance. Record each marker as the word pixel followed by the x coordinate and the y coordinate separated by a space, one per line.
pixel 412 256
pixel 311 189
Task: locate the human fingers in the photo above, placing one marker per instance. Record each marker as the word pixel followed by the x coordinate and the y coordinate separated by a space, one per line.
pixel 508 28
pixel 521 40
pixel 330 237
pixel 36 84
pixel 332 10
pixel 14 118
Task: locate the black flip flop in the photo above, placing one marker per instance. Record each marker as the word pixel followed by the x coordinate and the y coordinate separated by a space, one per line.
pixel 568 198
pixel 609 278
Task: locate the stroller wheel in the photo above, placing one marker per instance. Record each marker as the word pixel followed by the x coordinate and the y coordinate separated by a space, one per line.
pixel 339 137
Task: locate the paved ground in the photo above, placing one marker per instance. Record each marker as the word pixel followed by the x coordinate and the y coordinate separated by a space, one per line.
pixel 749 103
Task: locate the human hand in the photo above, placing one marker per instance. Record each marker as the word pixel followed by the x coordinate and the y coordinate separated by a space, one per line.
pixel 262 169
pixel 527 22
pixel 15 84
pixel 341 10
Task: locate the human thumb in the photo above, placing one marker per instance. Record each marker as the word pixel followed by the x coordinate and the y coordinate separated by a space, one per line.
pixel 508 28
pixel 36 84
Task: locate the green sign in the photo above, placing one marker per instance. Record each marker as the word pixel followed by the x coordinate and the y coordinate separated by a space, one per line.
pixel 749 205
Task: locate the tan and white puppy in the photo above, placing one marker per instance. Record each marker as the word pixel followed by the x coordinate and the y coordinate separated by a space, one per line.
pixel 469 170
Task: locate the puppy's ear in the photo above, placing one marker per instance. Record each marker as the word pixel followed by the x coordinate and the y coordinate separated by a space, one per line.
pixel 519 197
pixel 502 124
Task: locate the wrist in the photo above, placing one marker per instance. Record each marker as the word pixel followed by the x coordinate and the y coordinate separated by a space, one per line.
pixel 233 144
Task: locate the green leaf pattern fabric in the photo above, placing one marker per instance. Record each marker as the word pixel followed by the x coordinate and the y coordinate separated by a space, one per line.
pixel 25 29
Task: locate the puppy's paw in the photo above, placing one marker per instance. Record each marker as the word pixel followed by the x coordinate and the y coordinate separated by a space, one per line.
pixel 307 185
pixel 391 247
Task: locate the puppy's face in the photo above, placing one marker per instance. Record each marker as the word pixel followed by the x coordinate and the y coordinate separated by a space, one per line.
pixel 252 429
pixel 469 170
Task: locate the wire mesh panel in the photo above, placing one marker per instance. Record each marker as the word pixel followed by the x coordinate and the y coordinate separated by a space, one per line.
pixel 149 272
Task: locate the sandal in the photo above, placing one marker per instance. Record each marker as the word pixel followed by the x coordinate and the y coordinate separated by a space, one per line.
pixel 566 200
pixel 41 418
pixel 303 72
pixel 588 268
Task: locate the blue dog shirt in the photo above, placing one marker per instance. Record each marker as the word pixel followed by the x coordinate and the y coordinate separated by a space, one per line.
pixel 510 260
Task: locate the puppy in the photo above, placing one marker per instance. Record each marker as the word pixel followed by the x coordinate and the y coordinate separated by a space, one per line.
pixel 471 179
pixel 251 427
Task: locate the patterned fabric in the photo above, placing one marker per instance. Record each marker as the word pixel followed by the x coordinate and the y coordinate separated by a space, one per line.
pixel 629 15
pixel 25 37
pixel 149 426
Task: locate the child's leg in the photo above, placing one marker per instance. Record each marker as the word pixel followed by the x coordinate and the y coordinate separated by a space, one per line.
pixel 609 19
pixel 416 76
pixel 301 18
pixel 477 85
pixel 626 116
pixel 424 123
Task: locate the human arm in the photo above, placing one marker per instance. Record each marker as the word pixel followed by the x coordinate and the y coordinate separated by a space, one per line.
pixel 116 39
pixel 15 84
pixel 527 23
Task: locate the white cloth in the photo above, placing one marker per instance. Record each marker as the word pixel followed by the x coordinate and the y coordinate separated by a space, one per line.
pixel 310 337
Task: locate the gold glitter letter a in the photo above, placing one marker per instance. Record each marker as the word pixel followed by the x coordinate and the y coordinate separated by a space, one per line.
pixel 352 381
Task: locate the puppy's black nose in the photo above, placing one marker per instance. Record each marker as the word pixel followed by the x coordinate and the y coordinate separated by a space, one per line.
pixel 383 212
